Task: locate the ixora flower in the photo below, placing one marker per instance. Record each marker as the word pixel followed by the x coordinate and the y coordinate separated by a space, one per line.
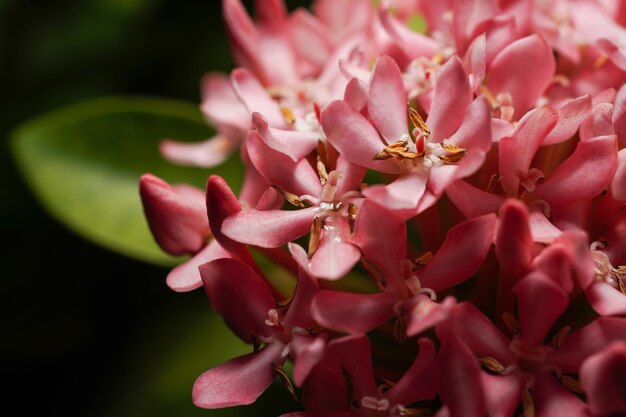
pixel 461 192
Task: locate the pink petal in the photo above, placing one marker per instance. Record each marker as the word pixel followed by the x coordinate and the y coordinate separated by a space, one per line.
pixel 459 379
pixel 541 229
pixel 472 201
pixel 417 383
pixel 269 228
pixel 205 154
pixel 598 123
pixel 618 183
pixel 239 295
pixel 354 137
pixel 221 106
pixel 299 313
pixel 517 151
pixel 186 276
pixel 584 174
pixel 551 399
pixel 540 302
pixel 587 341
pixel 270 13
pixel 222 203
pixel 571 114
pixel 619 115
pixel 425 313
pixel 452 95
pixel 356 94
pixel 243 36
pixel 324 390
pixel 478 332
pixel 555 262
pixel 252 93
pixel 387 100
pixel 373 221
pixel 476 62
pixel 602 378
pixel 606 300
pixel 239 381
pixel 352 313
pixel 344 17
pixel 523 69
pixel 469 15
pixel 352 355
pixel 403 194
pixel 352 177
pixel 292 143
pixel 177 219
pixel 308 352
pixel 514 242
pixel 335 256
pixel 503 392
pixel 413 44
pixel 273 165
pixel 313 40
pixel 461 254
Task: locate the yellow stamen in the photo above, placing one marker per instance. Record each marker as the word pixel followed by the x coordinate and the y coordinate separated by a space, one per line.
pixel 511 322
pixel 280 371
pixel 288 115
pixel 572 384
pixel 321 170
pixel 316 231
pixel 291 198
pixel 417 121
pixel 529 403
pixel 376 272
pixel 492 365
pixel 455 154
pixel 559 337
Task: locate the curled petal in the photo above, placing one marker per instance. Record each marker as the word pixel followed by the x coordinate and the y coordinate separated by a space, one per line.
pixel 176 216
pixel 473 202
pixel 517 151
pixel 523 69
pixel 273 165
pixel 239 381
pixel 452 95
pixel 551 399
pixel 387 254
pixel 256 99
pixel 587 341
pixel 402 195
pixel 461 254
pixel 602 378
pixel 425 313
pixel 477 332
pixel 618 183
pixel 204 154
pixel 354 137
pixel 412 43
pixel 296 145
pixel 598 123
pixel 186 276
pixel 335 256
pixel 353 313
pixel 459 379
pixel 513 239
pixel 571 115
pixel 418 382
pixel 238 294
pixel 584 174
pixel 606 300
pixel 269 228
pixel 540 302
pixel 387 99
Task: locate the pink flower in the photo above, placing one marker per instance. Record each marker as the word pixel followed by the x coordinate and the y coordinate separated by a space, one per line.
pixel 449 145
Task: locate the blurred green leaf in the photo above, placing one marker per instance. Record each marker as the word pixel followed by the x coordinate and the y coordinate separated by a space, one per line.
pixel 84 162
pixel 156 376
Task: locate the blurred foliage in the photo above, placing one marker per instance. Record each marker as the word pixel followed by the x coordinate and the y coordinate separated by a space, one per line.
pixel 83 163
pixel 86 331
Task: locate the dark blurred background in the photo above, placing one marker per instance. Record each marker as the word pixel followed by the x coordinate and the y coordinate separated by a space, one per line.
pixel 85 331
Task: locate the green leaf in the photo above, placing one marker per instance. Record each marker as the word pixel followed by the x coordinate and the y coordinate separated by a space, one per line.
pixel 156 374
pixel 84 163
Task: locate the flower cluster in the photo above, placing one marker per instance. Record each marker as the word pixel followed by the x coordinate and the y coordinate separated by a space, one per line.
pixel 450 202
